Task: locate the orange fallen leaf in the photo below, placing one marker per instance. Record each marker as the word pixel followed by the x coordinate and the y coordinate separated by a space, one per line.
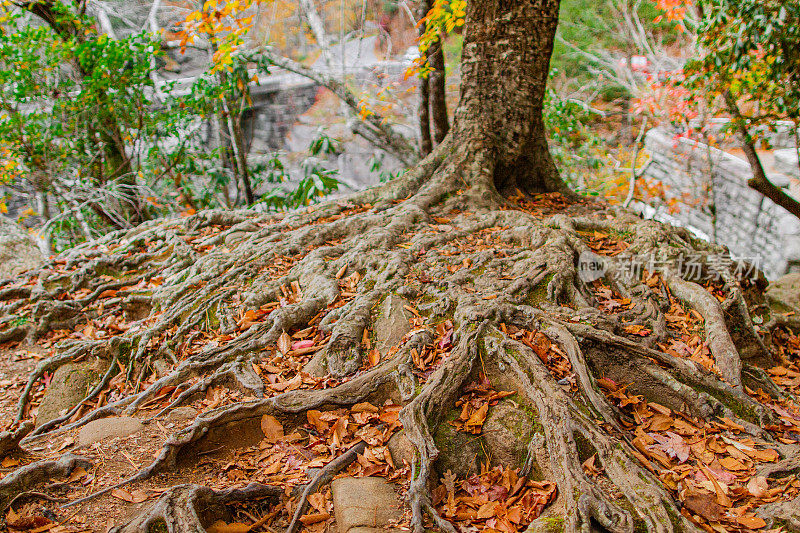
pixel 752 522
pixel 75 475
pixel 223 527
pixel 8 462
pixel 314 518
pixel 122 494
pixel 284 343
pixel 272 429
pixel 757 486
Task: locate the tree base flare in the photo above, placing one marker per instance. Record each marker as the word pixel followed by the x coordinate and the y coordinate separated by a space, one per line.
pixel 644 398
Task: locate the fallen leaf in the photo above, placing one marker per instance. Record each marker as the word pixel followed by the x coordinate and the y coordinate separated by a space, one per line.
pixel 284 343
pixel 314 518
pixel 272 429
pixel 730 463
pixel 223 527
pixel 122 494
pixel 757 486
pixel 477 418
pixel 8 462
pixel 752 522
pixel 704 505
pixel 300 345
pixel 487 510
pixel 374 357
pixel 76 474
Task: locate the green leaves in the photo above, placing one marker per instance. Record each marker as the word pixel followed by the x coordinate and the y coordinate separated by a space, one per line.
pixel 750 48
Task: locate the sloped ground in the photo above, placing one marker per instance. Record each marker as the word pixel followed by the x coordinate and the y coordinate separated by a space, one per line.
pixel 455 353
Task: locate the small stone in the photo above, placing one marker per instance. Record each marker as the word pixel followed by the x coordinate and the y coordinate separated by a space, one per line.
pixel 104 428
pixel 783 294
pixel 364 502
pixel 786 161
pixel 317 366
pixel 182 413
pixel 70 384
pixel 401 449
pixel 18 251
pixel 392 323
pixel 459 452
pixel 507 432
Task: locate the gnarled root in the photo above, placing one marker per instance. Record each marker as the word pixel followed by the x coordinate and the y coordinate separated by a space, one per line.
pixel 191 508
pixel 32 474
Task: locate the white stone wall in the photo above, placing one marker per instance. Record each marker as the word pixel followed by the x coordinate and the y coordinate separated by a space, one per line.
pixel 704 179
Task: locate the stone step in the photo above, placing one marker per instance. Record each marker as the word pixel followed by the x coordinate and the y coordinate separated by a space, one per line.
pixel 106 428
pixel 365 504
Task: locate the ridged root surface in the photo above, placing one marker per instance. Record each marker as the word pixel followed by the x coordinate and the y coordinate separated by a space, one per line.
pixel 489 266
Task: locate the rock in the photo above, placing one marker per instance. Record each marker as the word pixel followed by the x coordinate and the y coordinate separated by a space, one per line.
pixel 786 161
pixel 459 452
pixel 182 413
pixel 366 502
pixel 783 294
pixel 373 530
pixel 392 324
pixel 507 432
pixel 401 449
pixel 546 524
pixel 70 384
pixel 9 440
pixel 779 179
pixel 317 366
pixel 18 251
pixel 104 428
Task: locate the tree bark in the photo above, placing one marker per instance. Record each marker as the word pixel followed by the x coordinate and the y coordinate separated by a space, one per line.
pixel 115 158
pixel 424 116
pixel 423 111
pixel 759 181
pixel 505 65
pixel 438 101
pixel 582 387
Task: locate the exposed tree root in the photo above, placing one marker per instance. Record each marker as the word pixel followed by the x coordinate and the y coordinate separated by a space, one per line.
pixel 9 440
pixel 31 475
pixel 192 508
pixel 322 478
pixel 215 295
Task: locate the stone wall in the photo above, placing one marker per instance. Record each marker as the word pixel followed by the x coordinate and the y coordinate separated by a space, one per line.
pixel 273 113
pixel 701 181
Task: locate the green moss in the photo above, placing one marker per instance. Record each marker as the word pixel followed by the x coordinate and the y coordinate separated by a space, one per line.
pixel 451 443
pixel 585 448
pixel 159 526
pixel 623 234
pixel 539 293
pixel 738 406
pixel 212 319
pixel 552 524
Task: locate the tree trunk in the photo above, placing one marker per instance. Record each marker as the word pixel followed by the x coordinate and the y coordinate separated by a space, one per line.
pixel 438 100
pixel 504 69
pixel 116 164
pixel 424 117
pixel 423 109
